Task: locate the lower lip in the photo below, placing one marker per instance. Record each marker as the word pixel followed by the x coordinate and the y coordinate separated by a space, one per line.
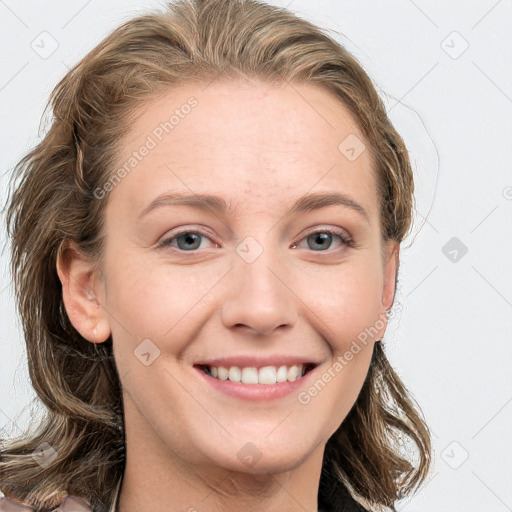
pixel 255 392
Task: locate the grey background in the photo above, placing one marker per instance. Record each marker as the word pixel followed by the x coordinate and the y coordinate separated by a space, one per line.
pixel 444 71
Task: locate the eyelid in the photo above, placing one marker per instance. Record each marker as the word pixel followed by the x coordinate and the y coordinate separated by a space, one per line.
pixel 345 238
pixel 166 242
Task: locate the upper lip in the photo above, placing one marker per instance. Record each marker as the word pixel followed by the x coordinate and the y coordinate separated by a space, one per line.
pixel 257 361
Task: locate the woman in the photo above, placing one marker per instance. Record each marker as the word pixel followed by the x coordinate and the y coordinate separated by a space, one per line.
pixel 205 251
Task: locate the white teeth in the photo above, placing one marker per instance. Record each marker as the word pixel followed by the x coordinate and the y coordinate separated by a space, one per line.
pixel 267 375
pixel 221 371
pixel 294 372
pixel 234 374
pixel 252 375
pixel 282 374
pixel 249 376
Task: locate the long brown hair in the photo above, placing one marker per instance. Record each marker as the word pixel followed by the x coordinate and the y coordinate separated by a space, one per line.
pixel 53 201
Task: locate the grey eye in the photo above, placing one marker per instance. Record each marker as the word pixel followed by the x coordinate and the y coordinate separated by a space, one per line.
pixel 191 241
pixel 319 241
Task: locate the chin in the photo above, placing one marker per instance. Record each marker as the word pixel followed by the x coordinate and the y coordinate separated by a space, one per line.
pixel 263 459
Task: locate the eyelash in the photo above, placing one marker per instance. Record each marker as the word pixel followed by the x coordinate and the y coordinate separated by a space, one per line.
pixel 342 235
pixel 345 239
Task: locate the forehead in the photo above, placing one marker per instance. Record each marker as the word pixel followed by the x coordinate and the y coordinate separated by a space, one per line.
pixel 246 140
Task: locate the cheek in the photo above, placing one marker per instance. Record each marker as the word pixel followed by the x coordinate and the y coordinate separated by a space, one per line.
pixel 346 300
pixel 345 311
pixel 156 301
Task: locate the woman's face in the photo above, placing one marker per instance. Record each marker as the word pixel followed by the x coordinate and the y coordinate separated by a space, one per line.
pixel 217 254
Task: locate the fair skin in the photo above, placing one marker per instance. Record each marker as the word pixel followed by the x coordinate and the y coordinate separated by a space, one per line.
pixel 260 147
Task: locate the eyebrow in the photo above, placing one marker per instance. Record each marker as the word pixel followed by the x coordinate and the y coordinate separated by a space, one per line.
pixel 217 204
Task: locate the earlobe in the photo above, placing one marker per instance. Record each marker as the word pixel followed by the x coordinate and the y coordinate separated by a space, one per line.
pixel 82 293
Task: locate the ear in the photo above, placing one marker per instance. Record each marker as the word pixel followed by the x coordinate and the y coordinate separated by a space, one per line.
pixel 391 255
pixel 83 294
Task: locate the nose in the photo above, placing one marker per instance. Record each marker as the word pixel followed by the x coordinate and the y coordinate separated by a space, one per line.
pixel 259 297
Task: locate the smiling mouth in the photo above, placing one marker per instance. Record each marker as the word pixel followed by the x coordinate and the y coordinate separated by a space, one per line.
pixel 266 375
